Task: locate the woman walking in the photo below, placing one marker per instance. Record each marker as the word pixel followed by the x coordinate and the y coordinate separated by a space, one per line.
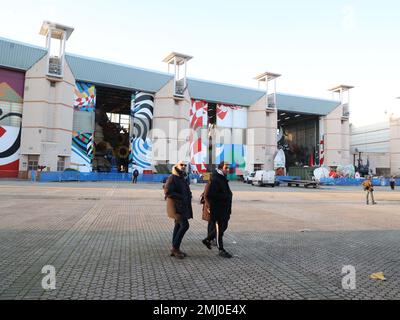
pixel 178 192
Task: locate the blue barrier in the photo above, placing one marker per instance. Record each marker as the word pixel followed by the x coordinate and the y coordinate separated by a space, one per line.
pixel 356 182
pixel 280 178
pixel 97 176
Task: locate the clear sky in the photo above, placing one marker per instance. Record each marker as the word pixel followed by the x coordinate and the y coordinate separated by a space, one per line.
pixel 315 45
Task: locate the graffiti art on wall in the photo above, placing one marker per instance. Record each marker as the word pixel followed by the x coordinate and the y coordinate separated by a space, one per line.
pixel 234 154
pixel 142 120
pixel 82 151
pixel 198 114
pixel 198 118
pixel 85 97
pixel 11 93
pixel 198 155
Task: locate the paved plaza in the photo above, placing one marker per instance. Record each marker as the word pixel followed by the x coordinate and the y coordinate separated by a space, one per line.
pixel 112 241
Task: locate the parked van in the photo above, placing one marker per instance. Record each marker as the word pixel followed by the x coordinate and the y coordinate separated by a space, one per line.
pixel 264 178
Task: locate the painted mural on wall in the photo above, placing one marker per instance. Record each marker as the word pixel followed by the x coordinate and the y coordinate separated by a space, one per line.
pixel 82 147
pixel 85 97
pixel 234 118
pixel 142 109
pixel 82 151
pixel 11 93
pixel 229 116
pixel 198 118
pixel 235 154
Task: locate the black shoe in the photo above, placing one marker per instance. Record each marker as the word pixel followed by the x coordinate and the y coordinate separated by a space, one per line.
pixel 224 254
pixel 207 243
pixel 214 242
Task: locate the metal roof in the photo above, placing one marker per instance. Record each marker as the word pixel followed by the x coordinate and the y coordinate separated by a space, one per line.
pixel 17 55
pixel 224 93
pixel 218 92
pixel 117 75
pixel 23 56
pixel 299 104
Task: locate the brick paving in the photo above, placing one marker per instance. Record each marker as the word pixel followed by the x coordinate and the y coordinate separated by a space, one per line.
pixel 111 241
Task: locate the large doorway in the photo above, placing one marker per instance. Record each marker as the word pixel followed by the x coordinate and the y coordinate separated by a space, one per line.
pixel 112 125
pixel 298 136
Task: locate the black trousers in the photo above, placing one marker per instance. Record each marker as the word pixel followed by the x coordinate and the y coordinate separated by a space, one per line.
pixel 221 225
pixel 134 179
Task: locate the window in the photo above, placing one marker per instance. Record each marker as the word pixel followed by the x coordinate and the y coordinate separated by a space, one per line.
pixel 122 119
pixel 61 164
pixel 257 166
pixel 33 163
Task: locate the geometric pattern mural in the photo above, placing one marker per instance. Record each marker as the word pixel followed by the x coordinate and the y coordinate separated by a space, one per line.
pixel 142 109
pixel 82 151
pixel 85 97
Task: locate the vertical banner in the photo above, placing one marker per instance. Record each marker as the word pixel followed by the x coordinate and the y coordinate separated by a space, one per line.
pixel 82 148
pixel 198 119
pixel 142 111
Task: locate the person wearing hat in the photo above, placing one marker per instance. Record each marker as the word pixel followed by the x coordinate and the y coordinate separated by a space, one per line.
pixel 178 191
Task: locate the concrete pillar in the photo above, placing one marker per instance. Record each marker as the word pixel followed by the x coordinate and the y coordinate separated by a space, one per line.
pixel 261 136
pixel 395 146
pixel 170 126
pixel 47 118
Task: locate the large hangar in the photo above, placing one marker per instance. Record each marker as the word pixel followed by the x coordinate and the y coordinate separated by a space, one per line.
pixel 93 115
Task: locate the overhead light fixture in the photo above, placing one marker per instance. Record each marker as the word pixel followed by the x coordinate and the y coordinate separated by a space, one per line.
pixel 282 114
pixel 287 118
pixel 279 120
pixel 297 115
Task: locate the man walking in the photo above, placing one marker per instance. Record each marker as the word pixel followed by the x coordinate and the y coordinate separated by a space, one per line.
pixel 219 197
pixel 135 175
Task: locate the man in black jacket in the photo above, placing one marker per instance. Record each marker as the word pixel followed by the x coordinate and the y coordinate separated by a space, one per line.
pixel 220 200
pixel 178 189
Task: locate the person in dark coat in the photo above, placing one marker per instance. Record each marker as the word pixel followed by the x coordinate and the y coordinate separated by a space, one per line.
pixel 219 197
pixel 178 189
pixel 135 175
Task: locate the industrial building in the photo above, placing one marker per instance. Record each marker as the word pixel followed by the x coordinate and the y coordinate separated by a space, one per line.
pixel 59 111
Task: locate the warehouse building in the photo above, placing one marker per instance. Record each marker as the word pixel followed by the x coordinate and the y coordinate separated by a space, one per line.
pixel 60 111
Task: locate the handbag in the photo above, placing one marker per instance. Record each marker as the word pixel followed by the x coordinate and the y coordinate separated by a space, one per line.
pixel 206 212
pixel 171 209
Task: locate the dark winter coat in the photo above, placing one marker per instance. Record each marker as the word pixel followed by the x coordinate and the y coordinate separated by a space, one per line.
pixel 178 189
pixel 220 197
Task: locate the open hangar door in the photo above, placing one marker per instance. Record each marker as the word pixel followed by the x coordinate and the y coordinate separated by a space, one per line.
pixel 112 129
pixel 298 136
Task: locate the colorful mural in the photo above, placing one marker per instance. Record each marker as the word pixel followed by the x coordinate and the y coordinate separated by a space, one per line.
pixel 142 121
pixel 82 151
pixel 229 116
pixel 198 114
pixel 234 154
pixel 85 97
pixel 198 118
pixel 11 93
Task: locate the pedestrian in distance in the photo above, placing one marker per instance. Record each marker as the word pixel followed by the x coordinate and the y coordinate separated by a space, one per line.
pixel 369 189
pixel 219 197
pixel 135 175
pixel 179 206
pixel 392 182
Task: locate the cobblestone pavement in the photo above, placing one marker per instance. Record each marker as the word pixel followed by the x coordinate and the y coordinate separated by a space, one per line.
pixel 111 241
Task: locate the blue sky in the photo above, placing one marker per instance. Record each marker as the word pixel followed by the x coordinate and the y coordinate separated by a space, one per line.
pixel 315 45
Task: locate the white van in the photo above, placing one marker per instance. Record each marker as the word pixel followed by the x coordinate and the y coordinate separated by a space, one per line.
pixel 264 178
